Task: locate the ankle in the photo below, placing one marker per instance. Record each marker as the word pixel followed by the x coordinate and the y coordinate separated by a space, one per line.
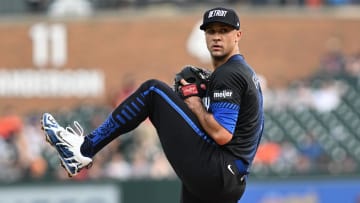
pixel 86 148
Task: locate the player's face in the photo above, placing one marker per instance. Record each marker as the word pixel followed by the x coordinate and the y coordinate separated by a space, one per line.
pixel 222 40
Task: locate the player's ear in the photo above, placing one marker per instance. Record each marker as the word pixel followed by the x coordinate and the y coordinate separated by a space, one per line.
pixel 239 34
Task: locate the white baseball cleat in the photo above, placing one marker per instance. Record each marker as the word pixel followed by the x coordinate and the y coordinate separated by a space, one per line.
pixel 67 143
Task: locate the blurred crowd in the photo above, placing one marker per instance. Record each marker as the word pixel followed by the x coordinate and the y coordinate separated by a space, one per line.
pixel 25 155
pixel 88 7
pixel 311 124
pixel 323 89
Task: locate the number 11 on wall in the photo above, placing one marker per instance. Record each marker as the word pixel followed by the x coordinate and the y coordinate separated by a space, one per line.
pixel 49 45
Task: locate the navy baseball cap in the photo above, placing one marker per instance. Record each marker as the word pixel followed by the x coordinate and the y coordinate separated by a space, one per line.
pixel 222 15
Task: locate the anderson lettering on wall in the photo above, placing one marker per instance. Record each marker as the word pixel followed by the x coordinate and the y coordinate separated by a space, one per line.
pixel 49 77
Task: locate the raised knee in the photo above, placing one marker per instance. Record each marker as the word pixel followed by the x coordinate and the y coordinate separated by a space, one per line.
pixel 153 82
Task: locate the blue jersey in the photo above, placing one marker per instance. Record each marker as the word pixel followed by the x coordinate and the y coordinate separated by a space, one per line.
pixel 235 99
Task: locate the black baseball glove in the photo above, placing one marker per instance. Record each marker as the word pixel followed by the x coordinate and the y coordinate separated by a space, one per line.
pixel 198 79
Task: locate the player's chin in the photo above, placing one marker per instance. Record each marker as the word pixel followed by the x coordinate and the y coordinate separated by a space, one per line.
pixel 218 55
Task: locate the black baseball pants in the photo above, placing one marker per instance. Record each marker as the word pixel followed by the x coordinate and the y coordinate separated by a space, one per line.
pixel 200 163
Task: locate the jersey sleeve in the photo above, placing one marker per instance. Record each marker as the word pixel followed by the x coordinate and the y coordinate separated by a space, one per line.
pixel 226 114
pixel 225 98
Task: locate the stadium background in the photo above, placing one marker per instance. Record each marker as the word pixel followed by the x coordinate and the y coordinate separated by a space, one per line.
pixel 79 63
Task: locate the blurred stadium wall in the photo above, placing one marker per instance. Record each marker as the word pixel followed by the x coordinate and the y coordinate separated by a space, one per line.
pixel 69 61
